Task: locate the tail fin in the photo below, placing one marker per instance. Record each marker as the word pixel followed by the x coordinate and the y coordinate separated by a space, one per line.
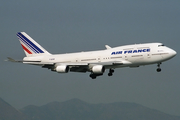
pixel 30 46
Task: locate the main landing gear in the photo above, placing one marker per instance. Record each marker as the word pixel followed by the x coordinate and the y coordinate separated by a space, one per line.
pixel 111 71
pixel 93 76
pixel 158 69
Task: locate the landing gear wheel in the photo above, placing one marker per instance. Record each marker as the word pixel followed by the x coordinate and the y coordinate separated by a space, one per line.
pixel 111 71
pixel 110 74
pixel 92 76
pixel 159 70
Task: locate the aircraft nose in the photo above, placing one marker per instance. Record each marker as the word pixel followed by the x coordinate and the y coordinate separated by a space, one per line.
pixel 173 53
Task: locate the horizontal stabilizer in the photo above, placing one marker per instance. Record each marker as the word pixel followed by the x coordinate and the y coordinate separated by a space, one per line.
pixel 12 60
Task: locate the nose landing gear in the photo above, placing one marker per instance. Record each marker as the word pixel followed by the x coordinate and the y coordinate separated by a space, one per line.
pixel 158 69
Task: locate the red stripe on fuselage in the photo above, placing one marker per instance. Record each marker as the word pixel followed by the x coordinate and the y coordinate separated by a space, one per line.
pixel 26 49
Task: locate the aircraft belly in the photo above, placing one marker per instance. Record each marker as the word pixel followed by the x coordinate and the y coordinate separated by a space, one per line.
pixel 115 66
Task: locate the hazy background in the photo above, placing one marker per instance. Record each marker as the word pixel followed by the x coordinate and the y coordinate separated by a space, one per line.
pixel 63 26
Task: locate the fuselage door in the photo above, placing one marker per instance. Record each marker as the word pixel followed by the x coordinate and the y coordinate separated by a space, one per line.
pixel 148 55
pixel 99 59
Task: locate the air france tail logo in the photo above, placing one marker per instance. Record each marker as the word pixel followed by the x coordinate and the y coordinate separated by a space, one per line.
pixel 28 45
pixel 130 51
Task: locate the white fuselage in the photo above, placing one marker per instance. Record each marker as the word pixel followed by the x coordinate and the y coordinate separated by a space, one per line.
pixel 130 55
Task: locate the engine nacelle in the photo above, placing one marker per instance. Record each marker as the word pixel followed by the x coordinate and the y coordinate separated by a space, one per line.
pixel 98 69
pixel 62 69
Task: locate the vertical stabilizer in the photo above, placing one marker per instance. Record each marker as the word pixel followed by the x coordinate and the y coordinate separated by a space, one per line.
pixel 30 46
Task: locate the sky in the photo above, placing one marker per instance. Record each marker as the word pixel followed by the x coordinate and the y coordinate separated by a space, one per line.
pixel 65 26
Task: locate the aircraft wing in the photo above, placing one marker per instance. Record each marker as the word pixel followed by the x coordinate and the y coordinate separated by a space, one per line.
pixel 84 67
pixel 74 66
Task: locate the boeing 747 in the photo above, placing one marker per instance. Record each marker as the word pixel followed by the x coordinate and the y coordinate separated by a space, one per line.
pixel 95 62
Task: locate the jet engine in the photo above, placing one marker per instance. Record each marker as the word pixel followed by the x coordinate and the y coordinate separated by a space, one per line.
pixel 98 69
pixel 62 69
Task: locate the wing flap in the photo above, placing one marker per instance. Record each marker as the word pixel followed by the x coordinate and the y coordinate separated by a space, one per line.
pixel 79 69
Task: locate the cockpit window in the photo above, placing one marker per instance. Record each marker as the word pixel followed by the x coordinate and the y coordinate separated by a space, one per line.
pixel 161 45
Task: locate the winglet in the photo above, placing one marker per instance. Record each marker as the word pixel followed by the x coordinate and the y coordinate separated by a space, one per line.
pixel 107 47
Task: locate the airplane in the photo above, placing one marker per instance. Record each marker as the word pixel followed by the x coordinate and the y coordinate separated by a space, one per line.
pixel 95 62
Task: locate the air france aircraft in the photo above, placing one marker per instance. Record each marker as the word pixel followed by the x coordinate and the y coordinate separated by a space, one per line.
pixel 94 62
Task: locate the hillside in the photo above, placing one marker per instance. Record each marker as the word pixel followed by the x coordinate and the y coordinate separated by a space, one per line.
pixel 7 112
pixel 76 109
